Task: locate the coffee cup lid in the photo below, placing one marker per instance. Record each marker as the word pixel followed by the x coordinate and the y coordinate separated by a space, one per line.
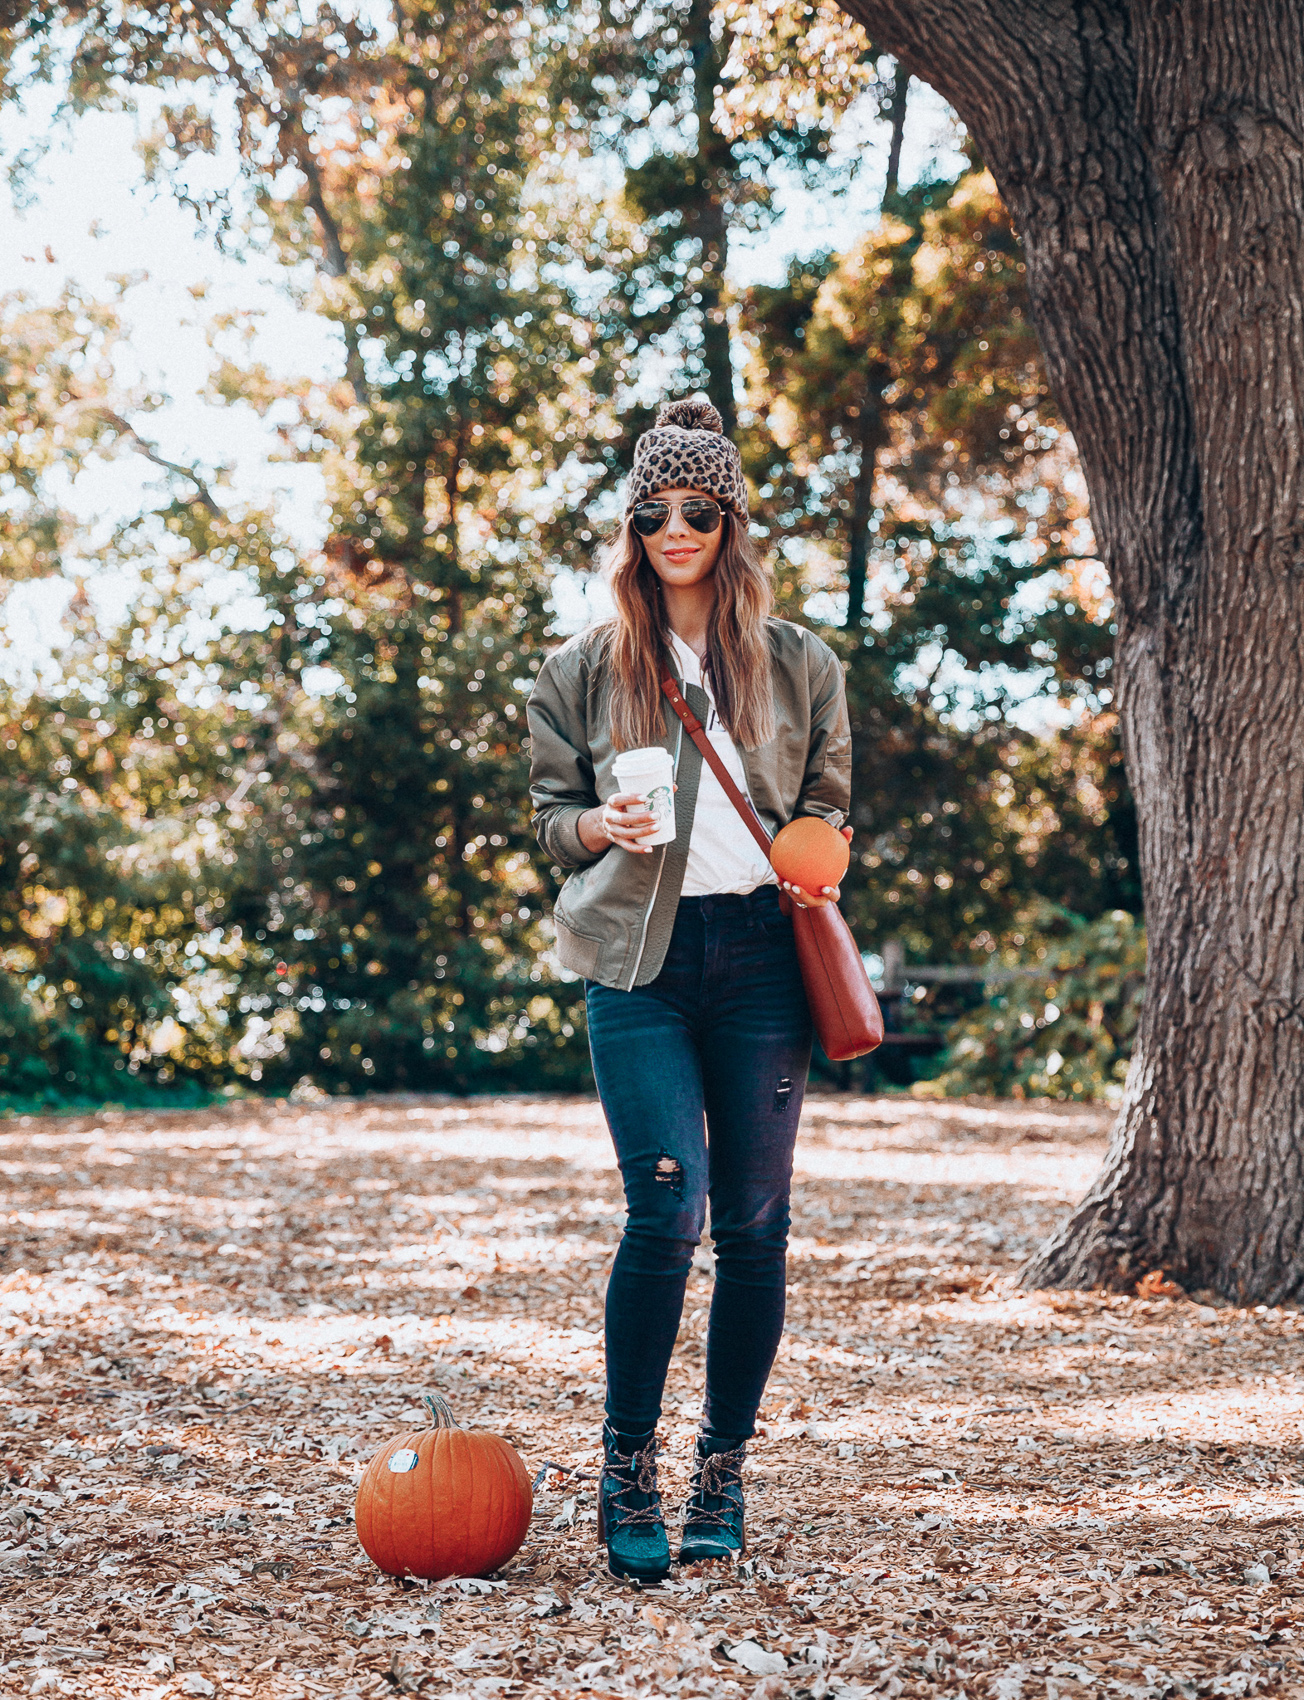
pixel 635 760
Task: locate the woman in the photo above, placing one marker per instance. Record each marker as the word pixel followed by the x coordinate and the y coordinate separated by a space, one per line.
pixel 696 1011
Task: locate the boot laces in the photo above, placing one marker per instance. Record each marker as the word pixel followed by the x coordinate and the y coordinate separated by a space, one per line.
pixel 635 1473
pixel 718 1477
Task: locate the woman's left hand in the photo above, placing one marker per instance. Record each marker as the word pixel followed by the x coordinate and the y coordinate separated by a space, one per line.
pixel 826 894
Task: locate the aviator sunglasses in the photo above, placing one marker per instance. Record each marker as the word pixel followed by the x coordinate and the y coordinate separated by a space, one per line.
pixel 698 511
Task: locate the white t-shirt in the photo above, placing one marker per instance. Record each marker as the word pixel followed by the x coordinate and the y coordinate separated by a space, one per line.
pixel 722 855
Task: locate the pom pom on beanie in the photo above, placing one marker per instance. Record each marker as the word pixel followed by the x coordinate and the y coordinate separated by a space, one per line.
pixel 687 450
pixel 689 415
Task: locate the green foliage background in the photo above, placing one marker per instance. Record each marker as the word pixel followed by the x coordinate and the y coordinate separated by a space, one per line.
pixel 519 221
pixel 1060 1025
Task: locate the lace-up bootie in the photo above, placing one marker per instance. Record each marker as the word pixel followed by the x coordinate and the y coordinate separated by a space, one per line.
pixel 714 1523
pixel 629 1512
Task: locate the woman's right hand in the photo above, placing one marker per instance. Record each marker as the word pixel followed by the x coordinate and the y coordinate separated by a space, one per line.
pixel 826 894
pixel 623 819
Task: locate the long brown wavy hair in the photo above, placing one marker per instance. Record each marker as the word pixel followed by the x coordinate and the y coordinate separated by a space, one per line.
pixel 737 644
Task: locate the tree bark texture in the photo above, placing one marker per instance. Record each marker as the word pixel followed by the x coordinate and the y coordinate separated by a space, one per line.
pixel 1152 157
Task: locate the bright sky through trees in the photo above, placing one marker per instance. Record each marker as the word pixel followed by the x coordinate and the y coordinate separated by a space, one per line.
pixel 90 221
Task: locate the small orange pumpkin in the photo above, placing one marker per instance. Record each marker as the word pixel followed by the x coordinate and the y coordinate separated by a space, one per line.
pixel 446 1502
pixel 810 853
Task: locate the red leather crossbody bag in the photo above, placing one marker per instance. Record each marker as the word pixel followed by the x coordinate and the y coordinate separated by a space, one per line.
pixel 843 1007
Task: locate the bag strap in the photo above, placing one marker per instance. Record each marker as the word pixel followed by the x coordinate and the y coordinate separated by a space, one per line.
pixel 697 732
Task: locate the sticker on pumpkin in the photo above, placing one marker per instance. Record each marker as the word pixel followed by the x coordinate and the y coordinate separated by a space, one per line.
pixel 402 1461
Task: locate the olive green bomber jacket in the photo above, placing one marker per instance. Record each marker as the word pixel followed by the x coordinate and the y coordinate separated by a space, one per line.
pixel 615 912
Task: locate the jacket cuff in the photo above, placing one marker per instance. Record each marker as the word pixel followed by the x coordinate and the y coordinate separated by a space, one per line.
pixel 835 817
pixel 564 841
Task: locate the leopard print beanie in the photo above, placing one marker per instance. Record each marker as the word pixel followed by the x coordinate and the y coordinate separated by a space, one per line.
pixel 687 450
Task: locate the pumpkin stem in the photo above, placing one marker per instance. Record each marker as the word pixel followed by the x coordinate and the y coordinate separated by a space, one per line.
pixel 441 1412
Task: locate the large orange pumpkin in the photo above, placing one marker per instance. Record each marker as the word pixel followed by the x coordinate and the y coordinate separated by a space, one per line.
pixel 810 853
pixel 445 1502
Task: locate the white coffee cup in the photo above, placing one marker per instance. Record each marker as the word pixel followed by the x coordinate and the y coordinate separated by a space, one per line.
pixel 650 773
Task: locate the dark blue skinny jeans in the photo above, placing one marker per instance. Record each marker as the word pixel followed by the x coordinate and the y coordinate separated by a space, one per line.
pixel 701 1075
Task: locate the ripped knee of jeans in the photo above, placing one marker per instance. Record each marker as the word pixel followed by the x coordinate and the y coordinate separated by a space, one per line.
pixel 670 1172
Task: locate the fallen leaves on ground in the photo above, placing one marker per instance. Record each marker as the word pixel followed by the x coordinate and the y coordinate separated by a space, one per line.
pixel 210 1320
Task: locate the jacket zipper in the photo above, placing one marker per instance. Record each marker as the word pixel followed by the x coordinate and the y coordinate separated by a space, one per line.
pixel 652 903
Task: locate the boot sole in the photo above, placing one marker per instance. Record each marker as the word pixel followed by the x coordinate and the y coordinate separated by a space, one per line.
pixel 649 1577
pixel 704 1552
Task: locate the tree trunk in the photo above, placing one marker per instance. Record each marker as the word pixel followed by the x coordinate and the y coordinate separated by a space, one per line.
pixel 1150 156
pixel 334 258
pixel 873 437
pixel 712 161
pixel 896 115
pixel 447 470
pixel 873 434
